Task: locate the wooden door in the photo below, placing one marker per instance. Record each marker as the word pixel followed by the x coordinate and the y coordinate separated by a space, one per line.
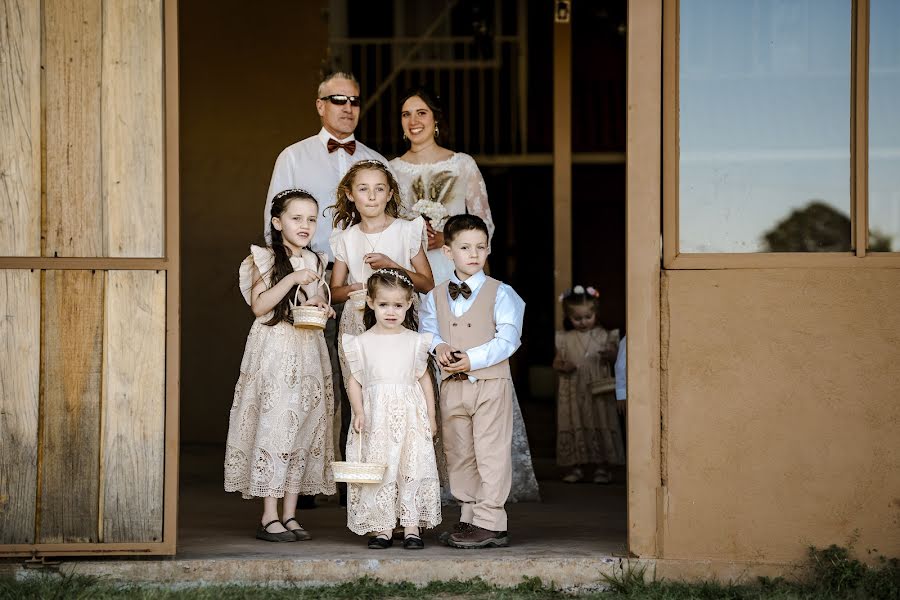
pixel 88 277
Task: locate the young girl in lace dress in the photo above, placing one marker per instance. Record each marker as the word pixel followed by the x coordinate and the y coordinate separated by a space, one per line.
pixel 279 431
pixel 368 235
pixel 588 431
pixel 393 417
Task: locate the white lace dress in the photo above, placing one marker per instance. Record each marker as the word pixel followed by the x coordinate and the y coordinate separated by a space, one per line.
pixel 397 433
pixel 454 182
pixel 279 430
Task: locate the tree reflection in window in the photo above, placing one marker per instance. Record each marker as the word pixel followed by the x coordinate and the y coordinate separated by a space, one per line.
pixel 818 227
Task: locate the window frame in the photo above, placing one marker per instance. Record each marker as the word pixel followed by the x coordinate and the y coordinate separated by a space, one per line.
pixel 859 255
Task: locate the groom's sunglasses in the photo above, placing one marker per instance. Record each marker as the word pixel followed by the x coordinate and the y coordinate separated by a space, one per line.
pixel 342 99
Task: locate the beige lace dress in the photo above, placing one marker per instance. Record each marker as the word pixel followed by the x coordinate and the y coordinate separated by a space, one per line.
pixel 401 241
pixel 279 430
pixel 397 433
pixel 588 430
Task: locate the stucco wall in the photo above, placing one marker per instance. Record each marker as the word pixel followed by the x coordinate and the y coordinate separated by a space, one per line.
pixel 781 406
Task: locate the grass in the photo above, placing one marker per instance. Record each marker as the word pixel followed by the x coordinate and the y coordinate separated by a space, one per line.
pixel 831 574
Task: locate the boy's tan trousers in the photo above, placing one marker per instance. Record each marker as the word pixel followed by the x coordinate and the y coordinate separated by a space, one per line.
pixel 476 419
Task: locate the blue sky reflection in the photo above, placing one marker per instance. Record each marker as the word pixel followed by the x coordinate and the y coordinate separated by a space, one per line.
pixel 764 116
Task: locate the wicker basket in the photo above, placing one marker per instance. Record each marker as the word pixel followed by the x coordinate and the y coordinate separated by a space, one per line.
pixel 358 471
pixel 357 299
pixel 603 382
pixel 310 317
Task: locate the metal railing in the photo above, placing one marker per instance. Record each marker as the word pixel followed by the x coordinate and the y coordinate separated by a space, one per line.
pixel 481 79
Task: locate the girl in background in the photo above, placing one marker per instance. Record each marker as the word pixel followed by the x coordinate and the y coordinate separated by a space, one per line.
pixel 588 430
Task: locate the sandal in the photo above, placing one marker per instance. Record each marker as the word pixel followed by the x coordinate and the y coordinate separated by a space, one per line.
pixel 301 534
pixel 263 533
pixel 413 542
pixel 380 542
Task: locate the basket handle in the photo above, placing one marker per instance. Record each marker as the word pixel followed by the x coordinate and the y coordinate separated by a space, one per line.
pixel 321 283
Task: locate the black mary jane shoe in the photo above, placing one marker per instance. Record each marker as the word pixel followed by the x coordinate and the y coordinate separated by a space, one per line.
pixel 282 536
pixel 413 542
pixel 301 534
pixel 379 542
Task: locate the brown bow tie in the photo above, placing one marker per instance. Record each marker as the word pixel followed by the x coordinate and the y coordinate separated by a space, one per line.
pixel 333 145
pixel 456 290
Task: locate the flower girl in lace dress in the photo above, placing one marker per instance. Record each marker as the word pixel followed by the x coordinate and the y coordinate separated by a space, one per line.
pixel 392 398
pixel 279 431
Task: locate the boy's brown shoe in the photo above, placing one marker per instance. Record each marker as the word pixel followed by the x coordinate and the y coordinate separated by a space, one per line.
pixel 460 527
pixel 477 537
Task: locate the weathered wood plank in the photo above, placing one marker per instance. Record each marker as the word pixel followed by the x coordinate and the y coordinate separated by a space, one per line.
pixel 72 357
pixel 134 406
pixel 20 339
pixel 20 128
pixel 72 44
pixel 132 154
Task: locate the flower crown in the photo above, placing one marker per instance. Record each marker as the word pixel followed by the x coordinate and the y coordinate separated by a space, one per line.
pixel 398 274
pixel 580 291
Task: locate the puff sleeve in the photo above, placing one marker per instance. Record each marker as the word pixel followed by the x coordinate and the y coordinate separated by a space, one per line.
pixel 338 245
pixel 560 341
pixel 423 345
pixel 416 236
pixel 263 259
pixel 353 354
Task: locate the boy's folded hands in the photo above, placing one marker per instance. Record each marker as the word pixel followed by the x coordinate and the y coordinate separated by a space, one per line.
pixel 453 361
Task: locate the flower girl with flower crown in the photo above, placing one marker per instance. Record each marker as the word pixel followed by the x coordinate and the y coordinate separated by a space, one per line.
pixel 588 430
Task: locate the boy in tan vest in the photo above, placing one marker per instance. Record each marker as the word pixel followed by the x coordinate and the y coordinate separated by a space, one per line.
pixel 477 325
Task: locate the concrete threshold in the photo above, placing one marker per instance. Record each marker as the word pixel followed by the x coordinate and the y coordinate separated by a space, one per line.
pixel 562 573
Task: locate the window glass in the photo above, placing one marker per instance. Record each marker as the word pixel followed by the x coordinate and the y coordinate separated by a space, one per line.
pixel 884 126
pixel 764 125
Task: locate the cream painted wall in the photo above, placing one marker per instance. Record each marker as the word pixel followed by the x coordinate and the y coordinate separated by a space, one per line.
pixel 781 412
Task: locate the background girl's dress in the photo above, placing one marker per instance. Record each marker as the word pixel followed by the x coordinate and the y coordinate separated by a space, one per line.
pixel 588 430
pixel 400 242
pixel 457 183
pixel 279 431
pixel 397 433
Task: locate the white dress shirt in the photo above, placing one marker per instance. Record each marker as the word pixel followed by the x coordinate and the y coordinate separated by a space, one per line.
pixel 509 310
pixel 308 165
pixel 620 372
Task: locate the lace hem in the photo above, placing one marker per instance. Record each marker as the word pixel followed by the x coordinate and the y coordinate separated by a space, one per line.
pixel 249 491
pixel 371 510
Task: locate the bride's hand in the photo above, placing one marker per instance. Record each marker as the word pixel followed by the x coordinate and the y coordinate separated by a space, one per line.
pixel 435 238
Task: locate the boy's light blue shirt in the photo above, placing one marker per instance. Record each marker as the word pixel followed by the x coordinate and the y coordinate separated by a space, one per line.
pixel 509 310
pixel 620 371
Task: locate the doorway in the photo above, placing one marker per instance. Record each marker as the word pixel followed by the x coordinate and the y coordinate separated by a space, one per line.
pixel 247 83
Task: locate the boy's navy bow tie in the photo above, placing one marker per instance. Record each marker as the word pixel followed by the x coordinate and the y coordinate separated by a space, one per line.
pixel 456 290
pixel 333 145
